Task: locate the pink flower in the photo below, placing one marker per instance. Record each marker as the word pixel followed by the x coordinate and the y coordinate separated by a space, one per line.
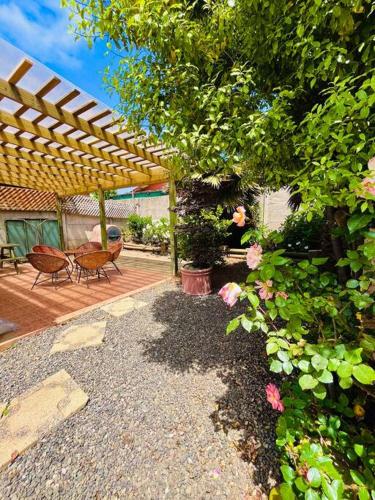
pixel 230 293
pixel 368 185
pixel 264 288
pixel 239 216
pixel 284 295
pixel 273 397
pixel 371 163
pixel 254 256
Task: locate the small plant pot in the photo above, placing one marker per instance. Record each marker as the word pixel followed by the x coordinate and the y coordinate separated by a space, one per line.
pixel 196 281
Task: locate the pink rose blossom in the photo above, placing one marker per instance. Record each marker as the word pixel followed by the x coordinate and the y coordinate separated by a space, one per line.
pixel 254 256
pixel 264 288
pixel 239 216
pixel 273 397
pixel 230 293
pixel 368 185
pixel 283 295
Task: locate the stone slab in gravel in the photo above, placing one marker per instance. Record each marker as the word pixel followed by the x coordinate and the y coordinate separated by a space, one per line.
pixel 79 336
pixel 37 411
pixel 177 409
pixel 123 306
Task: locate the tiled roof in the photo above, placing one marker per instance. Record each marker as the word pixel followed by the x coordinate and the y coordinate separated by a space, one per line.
pixel 14 198
pixel 162 186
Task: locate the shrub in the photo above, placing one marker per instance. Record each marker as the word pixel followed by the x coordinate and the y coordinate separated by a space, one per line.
pixel 318 333
pixel 300 235
pixel 201 229
pixel 157 232
pixel 137 225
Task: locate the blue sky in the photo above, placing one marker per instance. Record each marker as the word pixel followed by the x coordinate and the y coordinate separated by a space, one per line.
pixel 40 28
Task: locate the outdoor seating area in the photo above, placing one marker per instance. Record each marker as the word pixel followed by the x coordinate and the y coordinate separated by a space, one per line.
pixel 32 309
pixel 89 259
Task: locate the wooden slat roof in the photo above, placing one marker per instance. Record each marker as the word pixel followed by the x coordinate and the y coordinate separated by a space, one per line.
pixel 51 145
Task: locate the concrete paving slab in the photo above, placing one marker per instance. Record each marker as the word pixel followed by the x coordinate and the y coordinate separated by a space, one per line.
pixel 124 306
pixel 36 412
pixel 80 336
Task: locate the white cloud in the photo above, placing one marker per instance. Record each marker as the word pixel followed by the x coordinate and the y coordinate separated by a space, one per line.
pixel 40 28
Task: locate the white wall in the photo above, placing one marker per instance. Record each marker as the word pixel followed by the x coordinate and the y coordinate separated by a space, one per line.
pixel 274 208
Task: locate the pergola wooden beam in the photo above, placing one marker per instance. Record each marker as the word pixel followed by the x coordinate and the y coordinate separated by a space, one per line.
pixel 77 144
pixel 56 111
pixel 70 154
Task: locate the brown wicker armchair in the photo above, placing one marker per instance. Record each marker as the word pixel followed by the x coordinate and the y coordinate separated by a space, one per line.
pixel 115 249
pixel 48 249
pixel 90 246
pixel 50 264
pixel 92 264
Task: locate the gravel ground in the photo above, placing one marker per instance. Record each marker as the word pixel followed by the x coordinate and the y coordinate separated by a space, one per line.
pixel 176 409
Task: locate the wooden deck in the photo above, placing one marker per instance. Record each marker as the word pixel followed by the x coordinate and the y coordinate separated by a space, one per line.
pixel 37 309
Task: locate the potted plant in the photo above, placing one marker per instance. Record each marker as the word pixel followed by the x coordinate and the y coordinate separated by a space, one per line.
pixel 201 233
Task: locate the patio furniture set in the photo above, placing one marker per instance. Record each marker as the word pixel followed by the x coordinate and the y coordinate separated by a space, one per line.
pixel 87 260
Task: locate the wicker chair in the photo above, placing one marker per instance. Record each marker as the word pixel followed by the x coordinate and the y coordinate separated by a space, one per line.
pixel 92 264
pixel 46 263
pixel 115 249
pixel 90 246
pixel 48 249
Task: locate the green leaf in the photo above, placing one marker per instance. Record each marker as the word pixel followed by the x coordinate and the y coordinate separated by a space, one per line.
pixel 358 221
pixel 271 348
pixel 304 365
pixel 320 391
pixel 267 272
pixel 333 364
pixel 357 477
pixel 363 493
pixel 318 261
pixel 307 382
pixel 311 495
pixel 318 362
pixel 286 492
pixel 345 369
pixel 326 377
pixel 346 382
pixel 276 366
pixel 253 299
pixel 354 357
pixel 233 325
pixel 287 367
pixel 364 374
pixel 314 477
pixel 359 449
pixel 333 491
pixel 352 283
pixel 288 473
pixel 277 260
pixel 246 324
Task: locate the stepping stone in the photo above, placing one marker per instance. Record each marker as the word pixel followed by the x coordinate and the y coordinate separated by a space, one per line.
pixel 123 306
pixel 36 412
pixel 79 336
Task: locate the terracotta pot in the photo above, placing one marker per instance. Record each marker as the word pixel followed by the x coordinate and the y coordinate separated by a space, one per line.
pixel 196 281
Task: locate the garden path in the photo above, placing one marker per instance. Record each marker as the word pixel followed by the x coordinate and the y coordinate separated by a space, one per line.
pixel 176 409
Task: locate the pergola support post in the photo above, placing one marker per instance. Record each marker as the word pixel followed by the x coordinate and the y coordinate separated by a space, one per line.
pixel 59 217
pixel 102 217
pixel 172 224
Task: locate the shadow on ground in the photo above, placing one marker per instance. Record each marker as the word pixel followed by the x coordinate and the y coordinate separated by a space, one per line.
pixel 194 338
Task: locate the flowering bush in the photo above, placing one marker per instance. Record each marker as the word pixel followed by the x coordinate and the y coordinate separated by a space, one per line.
pixel 318 341
pixel 156 232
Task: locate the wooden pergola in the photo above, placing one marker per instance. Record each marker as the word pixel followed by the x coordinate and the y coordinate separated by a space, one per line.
pixel 50 146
